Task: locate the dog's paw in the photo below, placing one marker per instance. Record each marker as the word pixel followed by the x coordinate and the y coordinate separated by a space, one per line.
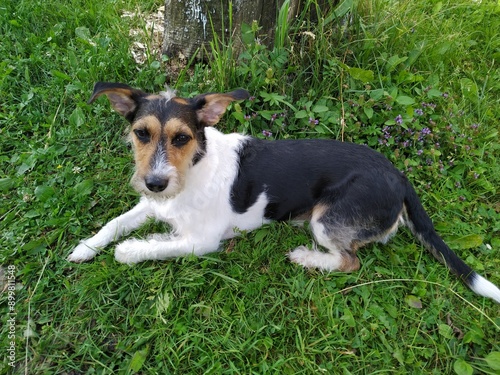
pixel 301 255
pixel 130 252
pixel 82 253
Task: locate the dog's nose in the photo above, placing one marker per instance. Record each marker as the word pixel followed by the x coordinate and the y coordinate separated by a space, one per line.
pixel 156 184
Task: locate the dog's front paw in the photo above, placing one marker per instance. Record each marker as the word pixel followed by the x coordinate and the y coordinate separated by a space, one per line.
pixel 82 253
pixel 130 251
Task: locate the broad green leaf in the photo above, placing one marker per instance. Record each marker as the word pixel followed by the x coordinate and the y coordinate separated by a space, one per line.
pixel 77 117
pixel 368 111
pixel 301 114
pixel 466 242
pixel 58 74
pixel 434 93
pixel 83 33
pixel 393 62
pixel 138 359
pixel 349 318
pixel 469 89
pixel 247 35
pixel 84 187
pixel 405 100
pixel 398 354
pixel 413 301
pixel 446 331
pixel 6 183
pixel 362 75
pixel 320 108
pixel 462 368
pixel 377 94
pixel 44 192
pixel 260 234
pixel 493 360
pixel 437 7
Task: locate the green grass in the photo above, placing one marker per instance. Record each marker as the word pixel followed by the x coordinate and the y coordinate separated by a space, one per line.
pixel 358 71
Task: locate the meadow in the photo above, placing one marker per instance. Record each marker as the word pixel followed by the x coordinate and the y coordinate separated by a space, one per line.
pixel 417 80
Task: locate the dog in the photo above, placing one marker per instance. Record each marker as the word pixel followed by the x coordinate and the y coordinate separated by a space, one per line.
pixel 210 186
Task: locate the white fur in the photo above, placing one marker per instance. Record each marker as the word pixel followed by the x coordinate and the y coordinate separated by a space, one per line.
pixel 485 288
pixel 200 214
pixel 330 261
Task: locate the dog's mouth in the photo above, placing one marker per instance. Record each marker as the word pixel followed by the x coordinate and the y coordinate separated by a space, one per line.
pixel 156 186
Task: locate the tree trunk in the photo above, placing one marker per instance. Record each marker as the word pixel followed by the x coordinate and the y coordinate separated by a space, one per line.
pixel 188 24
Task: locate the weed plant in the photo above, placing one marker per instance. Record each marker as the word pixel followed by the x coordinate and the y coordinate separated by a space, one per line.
pixel 416 80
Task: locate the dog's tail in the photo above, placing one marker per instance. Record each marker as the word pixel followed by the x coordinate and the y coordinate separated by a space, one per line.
pixel 421 226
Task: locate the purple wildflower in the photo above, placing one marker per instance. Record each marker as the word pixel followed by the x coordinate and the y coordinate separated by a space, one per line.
pixel 476 175
pixel 313 121
pixel 426 131
pixel 267 133
pixel 274 116
pixel 399 119
pixel 420 152
pixel 419 112
pixel 247 117
pixel 445 95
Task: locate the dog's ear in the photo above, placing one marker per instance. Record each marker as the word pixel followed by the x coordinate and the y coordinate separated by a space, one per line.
pixel 210 107
pixel 123 98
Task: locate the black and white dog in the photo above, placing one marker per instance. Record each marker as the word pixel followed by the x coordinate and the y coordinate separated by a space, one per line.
pixel 208 186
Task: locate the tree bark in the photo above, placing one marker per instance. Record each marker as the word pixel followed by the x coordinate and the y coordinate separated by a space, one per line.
pixel 188 24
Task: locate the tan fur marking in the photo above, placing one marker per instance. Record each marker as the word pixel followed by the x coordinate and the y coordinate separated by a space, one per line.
pixel 180 101
pixel 350 262
pixel 180 157
pixel 144 152
pixel 318 211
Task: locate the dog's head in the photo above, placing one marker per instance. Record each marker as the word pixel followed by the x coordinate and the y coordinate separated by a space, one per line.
pixel 167 132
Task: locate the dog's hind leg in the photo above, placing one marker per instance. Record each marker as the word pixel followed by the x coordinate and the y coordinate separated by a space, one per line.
pixel 359 210
pixel 338 242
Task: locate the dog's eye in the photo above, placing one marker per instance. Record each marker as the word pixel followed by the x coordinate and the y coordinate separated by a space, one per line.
pixel 180 140
pixel 143 135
